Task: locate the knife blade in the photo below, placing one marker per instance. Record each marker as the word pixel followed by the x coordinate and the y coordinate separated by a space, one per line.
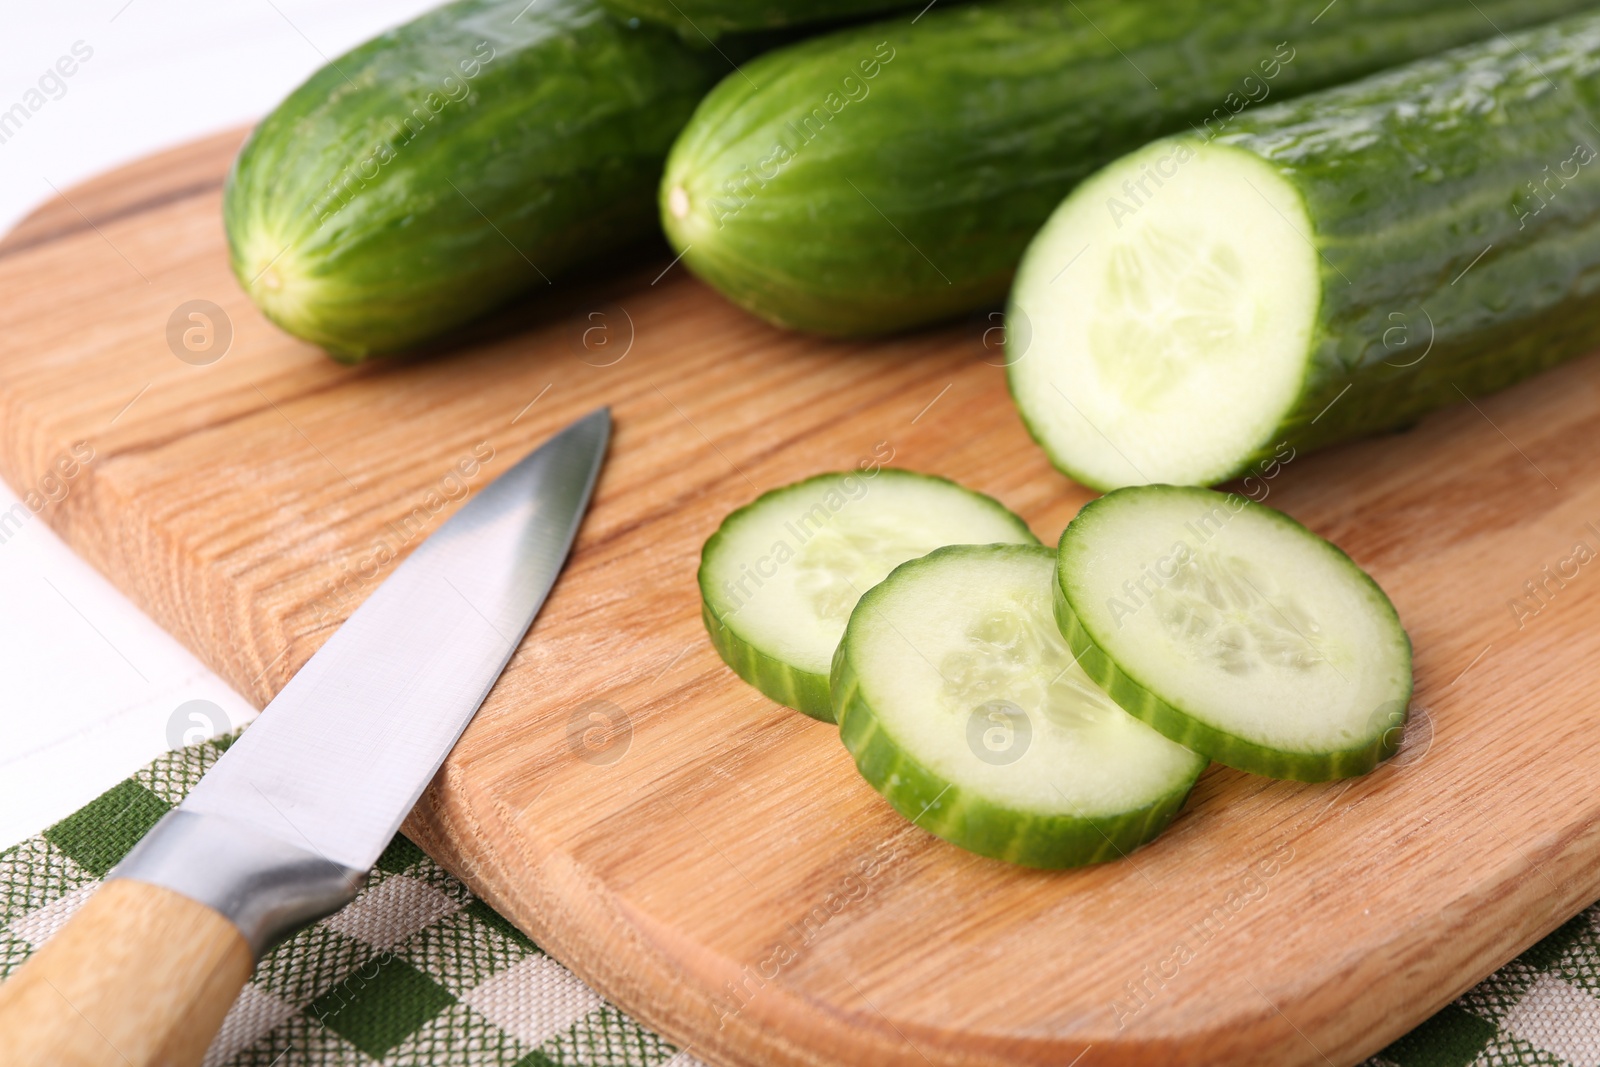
pixel 285 827
pixel 341 755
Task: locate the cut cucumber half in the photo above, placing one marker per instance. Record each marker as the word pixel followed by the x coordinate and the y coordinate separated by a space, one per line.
pixel 1319 268
pixel 963 706
pixel 779 577
pixel 1168 339
pixel 1235 631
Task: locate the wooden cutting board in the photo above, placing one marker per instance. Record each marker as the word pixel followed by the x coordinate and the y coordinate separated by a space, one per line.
pixel 712 863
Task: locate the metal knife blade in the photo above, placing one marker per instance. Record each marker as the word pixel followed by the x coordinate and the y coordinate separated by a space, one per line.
pixel 285 828
pixel 336 761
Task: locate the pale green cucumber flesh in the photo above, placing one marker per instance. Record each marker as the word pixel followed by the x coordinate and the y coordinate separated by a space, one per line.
pixel 1176 339
pixel 963 706
pixel 1331 266
pixel 780 576
pixel 1234 630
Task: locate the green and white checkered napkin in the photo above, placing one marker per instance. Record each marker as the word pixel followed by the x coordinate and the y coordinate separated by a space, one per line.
pixel 417 971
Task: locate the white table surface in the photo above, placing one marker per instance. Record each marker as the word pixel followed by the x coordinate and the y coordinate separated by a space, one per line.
pixel 92 689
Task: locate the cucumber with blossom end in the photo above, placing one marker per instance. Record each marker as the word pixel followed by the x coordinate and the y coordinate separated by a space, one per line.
pixel 779 577
pixel 890 175
pixel 1234 631
pixel 1321 269
pixel 451 163
pixel 963 706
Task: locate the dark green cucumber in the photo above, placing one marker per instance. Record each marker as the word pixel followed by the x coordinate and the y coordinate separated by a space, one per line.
pixel 711 18
pixel 1325 268
pixel 890 175
pixel 443 167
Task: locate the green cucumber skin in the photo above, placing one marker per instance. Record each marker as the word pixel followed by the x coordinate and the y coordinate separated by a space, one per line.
pixel 712 18
pixel 558 139
pixel 969 135
pixel 972 822
pixel 1401 216
pixel 804 691
pixel 1177 725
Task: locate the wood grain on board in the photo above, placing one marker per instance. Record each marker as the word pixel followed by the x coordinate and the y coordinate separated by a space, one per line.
pixel 713 864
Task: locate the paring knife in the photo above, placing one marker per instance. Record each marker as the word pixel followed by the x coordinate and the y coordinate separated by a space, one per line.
pixel 287 825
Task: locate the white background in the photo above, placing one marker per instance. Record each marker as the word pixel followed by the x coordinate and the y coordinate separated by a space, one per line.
pixel 89 685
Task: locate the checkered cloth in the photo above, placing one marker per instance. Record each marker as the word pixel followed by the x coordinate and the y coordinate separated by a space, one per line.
pixel 418 972
pixel 415 971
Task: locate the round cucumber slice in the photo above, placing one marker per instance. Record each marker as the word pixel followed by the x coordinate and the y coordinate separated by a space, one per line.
pixel 779 577
pixel 1171 312
pixel 1235 631
pixel 964 707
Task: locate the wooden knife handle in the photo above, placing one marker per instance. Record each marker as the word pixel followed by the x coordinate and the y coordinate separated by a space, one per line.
pixel 140 976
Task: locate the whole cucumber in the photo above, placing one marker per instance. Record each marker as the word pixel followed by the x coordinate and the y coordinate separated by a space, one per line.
pixel 890 175
pixel 1325 268
pixel 449 164
pixel 711 18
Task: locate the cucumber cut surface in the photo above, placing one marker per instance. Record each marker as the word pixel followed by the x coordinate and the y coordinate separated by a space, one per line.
pixel 1320 268
pixel 780 576
pixel 1234 630
pixel 1176 341
pixel 963 706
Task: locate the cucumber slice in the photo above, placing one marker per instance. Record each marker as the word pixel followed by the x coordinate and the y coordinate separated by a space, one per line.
pixel 1235 631
pixel 963 706
pixel 779 577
